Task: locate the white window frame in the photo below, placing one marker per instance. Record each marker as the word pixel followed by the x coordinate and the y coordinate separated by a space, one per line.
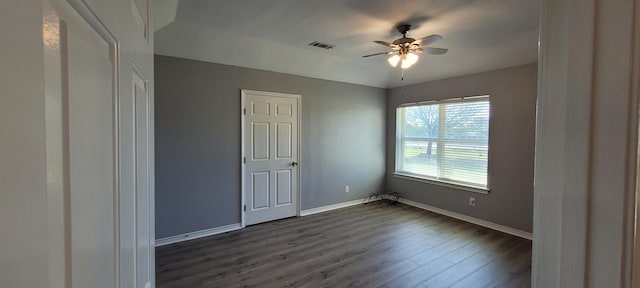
pixel 424 178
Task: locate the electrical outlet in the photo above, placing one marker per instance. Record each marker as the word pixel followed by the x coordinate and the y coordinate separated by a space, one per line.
pixel 346 189
pixel 472 201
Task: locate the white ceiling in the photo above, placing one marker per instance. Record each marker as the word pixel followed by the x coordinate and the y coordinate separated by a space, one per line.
pixel 273 35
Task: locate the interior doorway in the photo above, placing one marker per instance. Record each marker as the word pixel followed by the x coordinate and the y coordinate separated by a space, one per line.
pixel 270 145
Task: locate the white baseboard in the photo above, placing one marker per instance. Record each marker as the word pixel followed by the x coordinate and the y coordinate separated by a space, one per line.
pixel 491 225
pixel 197 234
pixel 307 212
pixel 316 210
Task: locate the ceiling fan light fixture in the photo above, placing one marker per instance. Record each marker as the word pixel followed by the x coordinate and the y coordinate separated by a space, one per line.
pixel 409 60
pixel 393 60
pixel 405 50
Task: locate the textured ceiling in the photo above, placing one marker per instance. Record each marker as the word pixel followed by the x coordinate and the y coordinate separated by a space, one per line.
pixel 274 35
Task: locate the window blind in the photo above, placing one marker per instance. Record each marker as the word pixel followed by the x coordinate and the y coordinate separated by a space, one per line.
pixel 445 141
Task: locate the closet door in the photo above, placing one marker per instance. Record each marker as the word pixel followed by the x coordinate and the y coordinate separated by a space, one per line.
pixel 97 63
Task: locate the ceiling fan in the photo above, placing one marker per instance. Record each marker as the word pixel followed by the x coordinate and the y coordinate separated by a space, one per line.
pixel 405 50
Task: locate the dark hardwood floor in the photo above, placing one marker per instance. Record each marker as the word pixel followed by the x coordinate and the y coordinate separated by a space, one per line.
pixel 369 245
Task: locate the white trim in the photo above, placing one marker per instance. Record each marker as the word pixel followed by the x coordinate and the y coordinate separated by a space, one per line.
pixel 457 99
pixel 198 234
pixel 270 94
pixel 242 159
pixel 317 210
pixel 299 148
pixel 441 183
pixel 491 225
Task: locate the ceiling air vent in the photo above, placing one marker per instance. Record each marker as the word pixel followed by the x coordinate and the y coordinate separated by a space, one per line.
pixel 321 45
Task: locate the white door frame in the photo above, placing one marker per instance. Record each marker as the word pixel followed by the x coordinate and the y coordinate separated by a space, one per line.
pixel 243 94
pixel 635 262
pixel 583 211
pixel 57 116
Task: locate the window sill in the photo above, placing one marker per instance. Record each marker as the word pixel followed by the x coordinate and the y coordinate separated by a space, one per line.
pixel 442 183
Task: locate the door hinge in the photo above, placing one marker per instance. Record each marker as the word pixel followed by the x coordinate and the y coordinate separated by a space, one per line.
pixel 244 160
pixel 245 208
pixel 244 111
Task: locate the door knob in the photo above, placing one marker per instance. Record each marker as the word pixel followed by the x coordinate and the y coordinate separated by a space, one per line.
pixel 294 163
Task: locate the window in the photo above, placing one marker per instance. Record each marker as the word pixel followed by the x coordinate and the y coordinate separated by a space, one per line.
pixel 446 141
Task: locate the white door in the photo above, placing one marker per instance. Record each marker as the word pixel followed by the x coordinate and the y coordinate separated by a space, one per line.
pixel 97 58
pixel 271 155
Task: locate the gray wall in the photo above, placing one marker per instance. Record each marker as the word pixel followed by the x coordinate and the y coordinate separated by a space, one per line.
pixel 198 141
pixel 511 145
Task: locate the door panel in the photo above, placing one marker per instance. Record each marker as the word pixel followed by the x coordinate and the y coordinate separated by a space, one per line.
pixel 260 141
pixel 271 171
pixel 284 141
pixel 260 190
pixel 283 187
pixel 284 110
pixel 260 108
pixel 92 161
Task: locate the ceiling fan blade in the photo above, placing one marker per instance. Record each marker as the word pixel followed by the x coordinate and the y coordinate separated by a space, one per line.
pixel 376 54
pixel 429 40
pixel 386 44
pixel 434 51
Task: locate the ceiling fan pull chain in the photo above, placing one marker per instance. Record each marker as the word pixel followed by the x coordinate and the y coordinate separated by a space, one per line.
pixel 402 80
